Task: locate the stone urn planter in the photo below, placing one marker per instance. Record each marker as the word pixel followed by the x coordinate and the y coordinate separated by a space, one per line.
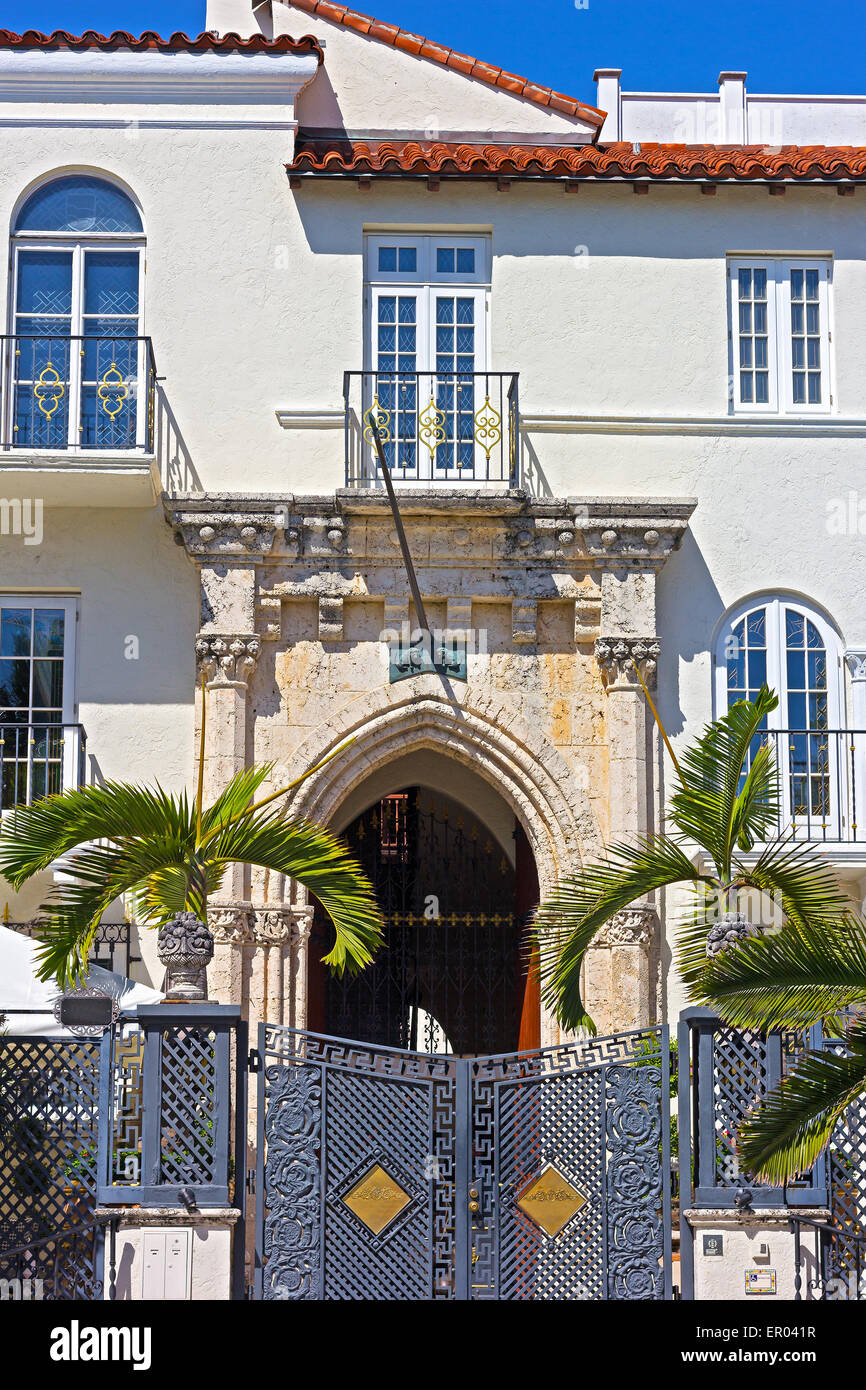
pixel 730 928
pixel 185 947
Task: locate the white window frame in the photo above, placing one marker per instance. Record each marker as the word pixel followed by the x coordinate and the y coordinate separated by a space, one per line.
pixel 78 243
pixel 69 715
pixel 780 366
pixel 427 279
pixel 774 605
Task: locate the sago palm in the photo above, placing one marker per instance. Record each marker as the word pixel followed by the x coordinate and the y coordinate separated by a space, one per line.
pixel 725 801
pixel 168 853
pixel 791 980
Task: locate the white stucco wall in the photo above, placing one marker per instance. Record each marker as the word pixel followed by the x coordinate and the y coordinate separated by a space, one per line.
pixel 608 306
pixel 410 93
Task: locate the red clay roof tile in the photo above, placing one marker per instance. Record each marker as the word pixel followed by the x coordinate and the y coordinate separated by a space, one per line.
pixel 175 43
pixel 316 153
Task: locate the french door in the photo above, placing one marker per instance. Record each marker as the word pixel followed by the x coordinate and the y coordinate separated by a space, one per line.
pixel 76 355
pixel 425 377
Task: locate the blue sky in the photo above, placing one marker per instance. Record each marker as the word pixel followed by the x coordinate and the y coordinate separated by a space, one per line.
pixel 784 45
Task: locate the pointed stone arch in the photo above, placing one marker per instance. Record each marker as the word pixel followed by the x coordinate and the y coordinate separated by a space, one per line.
pixel 549 796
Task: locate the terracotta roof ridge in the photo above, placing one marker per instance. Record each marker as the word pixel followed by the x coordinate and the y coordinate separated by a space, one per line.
pixel 150 39
pixel 421 47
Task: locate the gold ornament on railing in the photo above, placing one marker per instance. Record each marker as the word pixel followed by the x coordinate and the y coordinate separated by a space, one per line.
pixel 382 420
pixel 431 427
pixel 112 391
pixel 488 427
pixel 49 391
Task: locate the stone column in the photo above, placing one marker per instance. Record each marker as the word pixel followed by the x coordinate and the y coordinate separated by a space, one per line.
pixel 227 649
pixel 623 964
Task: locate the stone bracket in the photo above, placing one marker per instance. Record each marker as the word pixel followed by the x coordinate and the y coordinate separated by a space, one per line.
pixel 618 657
pixel 227 658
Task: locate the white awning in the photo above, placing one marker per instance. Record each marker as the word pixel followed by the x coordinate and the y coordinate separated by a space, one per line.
pixel 20 988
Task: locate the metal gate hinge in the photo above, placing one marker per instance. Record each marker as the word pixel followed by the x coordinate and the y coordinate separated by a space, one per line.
pixel 254 1061
pixel 251 1181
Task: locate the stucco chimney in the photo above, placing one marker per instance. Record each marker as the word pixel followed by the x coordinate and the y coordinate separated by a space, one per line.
pixel 732 108
pixel 607 98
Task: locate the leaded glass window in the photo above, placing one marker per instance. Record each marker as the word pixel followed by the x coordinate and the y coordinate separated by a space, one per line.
pixel 795 652
pixel 78 355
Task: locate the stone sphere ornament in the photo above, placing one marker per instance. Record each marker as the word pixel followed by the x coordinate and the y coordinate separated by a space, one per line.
pixel 731 928
pixel 185 947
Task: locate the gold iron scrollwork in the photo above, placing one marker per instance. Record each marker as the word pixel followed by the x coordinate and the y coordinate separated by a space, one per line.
pixel 111 390
pixel 431 427
pixel 488 427
pixel 49 390
pixel 382 420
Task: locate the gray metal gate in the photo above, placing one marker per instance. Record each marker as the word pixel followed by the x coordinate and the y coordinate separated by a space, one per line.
pixel 49 1091
pixel 386 1174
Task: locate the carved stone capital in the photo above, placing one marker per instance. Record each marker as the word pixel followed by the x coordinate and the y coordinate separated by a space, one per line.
pixel 227 657
pixel 618 657
pixel 281 926
pixel 633 926
pixel 230 923
pixel 855 658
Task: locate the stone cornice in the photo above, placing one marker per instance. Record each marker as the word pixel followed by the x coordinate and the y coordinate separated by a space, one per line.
pixel 446 527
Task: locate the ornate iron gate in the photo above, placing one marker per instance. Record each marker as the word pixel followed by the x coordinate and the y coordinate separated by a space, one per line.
pixel 385 1174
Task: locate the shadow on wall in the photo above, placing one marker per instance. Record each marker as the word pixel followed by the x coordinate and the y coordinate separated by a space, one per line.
pixel 532 476
pixel 176 468
pixel 688 607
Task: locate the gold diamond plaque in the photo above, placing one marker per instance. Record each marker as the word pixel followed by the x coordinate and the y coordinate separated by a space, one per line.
pixel 551 1200
pixel 376 1199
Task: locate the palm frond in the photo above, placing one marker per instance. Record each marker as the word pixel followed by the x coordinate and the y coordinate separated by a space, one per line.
pixel 786 1133
pixel 579 905
pixel 706 805
pixel 790 979
pixel 33 837
pixel 234 799
pixel 798 879
pixel 756 808
pixel 322 863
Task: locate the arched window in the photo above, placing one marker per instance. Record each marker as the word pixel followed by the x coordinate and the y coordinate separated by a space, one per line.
pixel 795 650
pixel 77 271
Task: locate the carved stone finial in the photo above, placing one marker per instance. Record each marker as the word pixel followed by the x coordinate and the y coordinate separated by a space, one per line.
pixel 618 657
pixel 185 947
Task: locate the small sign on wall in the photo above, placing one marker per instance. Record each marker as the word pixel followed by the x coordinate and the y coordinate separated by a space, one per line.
pixel 713 1245
pixel 760 1281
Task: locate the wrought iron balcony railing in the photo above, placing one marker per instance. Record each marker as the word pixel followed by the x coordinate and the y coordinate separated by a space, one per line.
pixel 435 427
pixel 38 760
pixel 92 392
pixel 822 775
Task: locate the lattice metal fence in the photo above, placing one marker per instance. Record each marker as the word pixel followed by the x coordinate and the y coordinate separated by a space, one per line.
pixel 48 1157
pixel 165 1106
pixel 723 1073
